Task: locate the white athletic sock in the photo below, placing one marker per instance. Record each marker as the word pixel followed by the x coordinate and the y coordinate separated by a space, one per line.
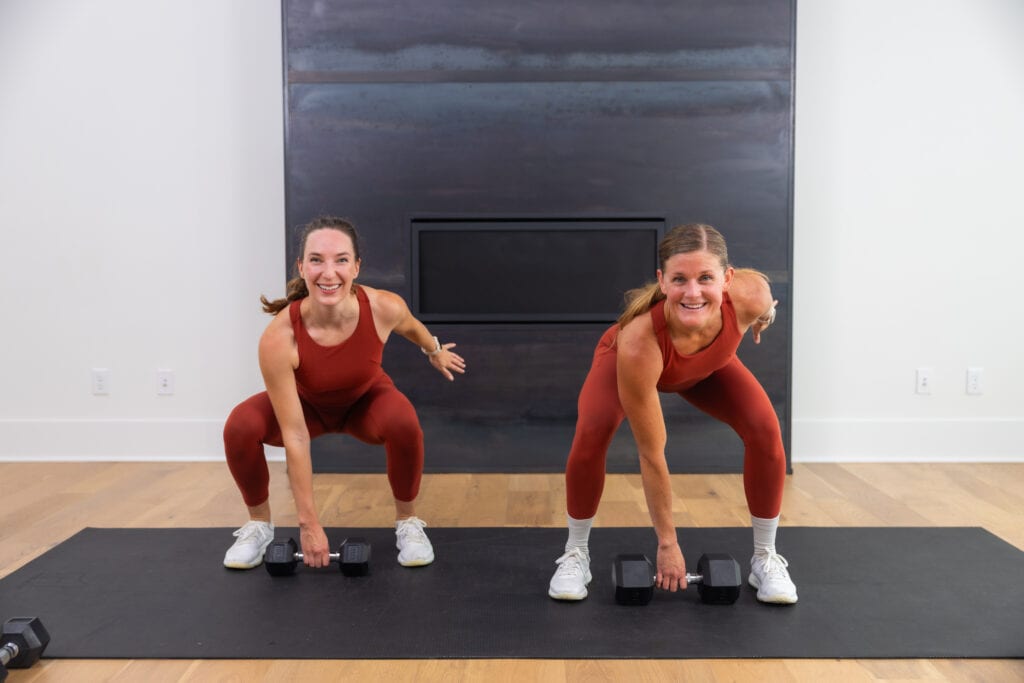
pixel 764 534
pixel 579 534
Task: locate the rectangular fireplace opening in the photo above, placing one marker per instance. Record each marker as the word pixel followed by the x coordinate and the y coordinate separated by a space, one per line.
pixel 494 270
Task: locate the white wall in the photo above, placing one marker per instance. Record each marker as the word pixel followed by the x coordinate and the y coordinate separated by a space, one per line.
pixel 141 213
pixel 909 229
pixel 141 172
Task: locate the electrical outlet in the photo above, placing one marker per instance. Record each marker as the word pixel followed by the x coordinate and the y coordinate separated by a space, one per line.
pixel 924 380
pixel 165 382
pixel 100 381
pixel 974 381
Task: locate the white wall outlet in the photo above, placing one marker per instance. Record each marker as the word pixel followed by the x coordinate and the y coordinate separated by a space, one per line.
pixel 165 382
pixel 100 381
pixel 974 381
pixel 924 380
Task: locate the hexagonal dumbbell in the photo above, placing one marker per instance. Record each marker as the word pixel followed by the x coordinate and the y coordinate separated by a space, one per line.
pixel 22 643
pixel 718 579
pixel 283 556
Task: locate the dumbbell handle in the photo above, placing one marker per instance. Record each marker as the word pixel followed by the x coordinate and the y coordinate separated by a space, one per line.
pixel 8 652
pixel 690 578
pixel 334 557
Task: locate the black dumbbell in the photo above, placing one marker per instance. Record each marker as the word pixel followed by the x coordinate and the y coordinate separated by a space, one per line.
pixel 718 579
pixel 353 557
pixel 22 643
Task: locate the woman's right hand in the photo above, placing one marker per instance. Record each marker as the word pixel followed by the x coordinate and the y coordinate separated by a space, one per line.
pixel 315 551
pixel 671 568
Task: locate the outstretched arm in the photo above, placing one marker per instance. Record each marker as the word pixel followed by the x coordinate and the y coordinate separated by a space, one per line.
pixel 751 294
pixel 391 314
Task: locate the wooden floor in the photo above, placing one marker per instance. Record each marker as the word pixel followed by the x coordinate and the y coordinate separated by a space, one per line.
pixel 41 504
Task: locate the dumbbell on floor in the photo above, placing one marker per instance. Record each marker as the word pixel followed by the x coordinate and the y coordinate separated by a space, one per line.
pixel 718 579
pixel 22 643
pixel 283 556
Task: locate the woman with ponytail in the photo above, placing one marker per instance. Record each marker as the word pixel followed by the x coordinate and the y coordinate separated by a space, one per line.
pixel 679 335
pixel 321 362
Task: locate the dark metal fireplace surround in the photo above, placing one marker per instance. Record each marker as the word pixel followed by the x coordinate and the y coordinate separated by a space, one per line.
pixel 511 167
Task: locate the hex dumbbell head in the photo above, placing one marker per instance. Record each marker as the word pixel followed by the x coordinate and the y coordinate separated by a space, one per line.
pixel 30 637
pixel 721 580
pixel 354 557
pixel 633 576
pixel 280 557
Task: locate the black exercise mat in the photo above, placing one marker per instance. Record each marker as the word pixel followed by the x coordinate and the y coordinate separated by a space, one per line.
pixel 864 593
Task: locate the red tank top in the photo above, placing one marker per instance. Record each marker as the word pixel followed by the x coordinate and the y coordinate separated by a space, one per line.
pixel 683 371
pixel 338 375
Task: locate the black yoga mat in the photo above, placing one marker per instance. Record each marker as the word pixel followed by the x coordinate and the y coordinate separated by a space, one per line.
pixel 864 593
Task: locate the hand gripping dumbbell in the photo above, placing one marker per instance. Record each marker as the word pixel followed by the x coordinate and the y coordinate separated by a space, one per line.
pixel 718 579
pixel 353 557
pixel 22 643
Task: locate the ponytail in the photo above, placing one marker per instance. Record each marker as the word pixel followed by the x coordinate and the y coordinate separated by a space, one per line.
pixel 296 287
pixel 682 239
pixel 639 301
pixel 296 290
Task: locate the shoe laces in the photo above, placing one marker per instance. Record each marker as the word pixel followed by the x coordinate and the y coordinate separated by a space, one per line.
pixel 249 531
pixel 411 530
pixel 774 565
pixel 572 562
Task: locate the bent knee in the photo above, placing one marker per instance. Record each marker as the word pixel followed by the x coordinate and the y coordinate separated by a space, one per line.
pixel 243 427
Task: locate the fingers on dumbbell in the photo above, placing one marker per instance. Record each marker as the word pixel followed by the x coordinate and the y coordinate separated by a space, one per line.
pixel 353 557
pixel 718 579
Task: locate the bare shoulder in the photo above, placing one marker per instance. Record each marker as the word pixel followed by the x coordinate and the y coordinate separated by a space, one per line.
pixel 639 363
pixel 387 306
pixel 637 341
pixel 278 340
pixel 750 293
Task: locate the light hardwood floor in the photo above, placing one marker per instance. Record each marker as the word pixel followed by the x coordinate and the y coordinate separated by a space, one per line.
pixel 41 504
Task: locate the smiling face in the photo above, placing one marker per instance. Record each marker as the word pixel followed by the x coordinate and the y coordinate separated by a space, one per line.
pixel 329 265
pixel 693 283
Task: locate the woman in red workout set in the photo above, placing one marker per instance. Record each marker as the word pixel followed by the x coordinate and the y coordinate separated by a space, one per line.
pixel 679 335
pixel 321 362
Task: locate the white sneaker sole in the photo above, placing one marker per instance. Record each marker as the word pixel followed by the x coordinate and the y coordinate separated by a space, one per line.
pixel 567 596
pixel 777 599
pixel 242 565
pixel 417 563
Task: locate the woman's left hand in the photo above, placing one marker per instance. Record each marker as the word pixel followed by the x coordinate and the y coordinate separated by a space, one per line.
pixel 446 362
pixel 762 323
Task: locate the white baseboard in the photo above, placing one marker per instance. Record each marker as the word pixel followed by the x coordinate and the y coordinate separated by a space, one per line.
pixel 908 440
pixel 832 440
pixel 136 440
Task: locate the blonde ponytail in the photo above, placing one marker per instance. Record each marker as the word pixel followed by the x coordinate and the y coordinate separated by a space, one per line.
pixel 682 239
pixel 639 301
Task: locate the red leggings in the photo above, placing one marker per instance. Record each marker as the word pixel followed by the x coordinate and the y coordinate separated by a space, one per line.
pixel 382 415
pixel 732 395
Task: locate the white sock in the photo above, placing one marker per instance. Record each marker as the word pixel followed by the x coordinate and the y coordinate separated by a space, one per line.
pixel 579 534
pixel 764 534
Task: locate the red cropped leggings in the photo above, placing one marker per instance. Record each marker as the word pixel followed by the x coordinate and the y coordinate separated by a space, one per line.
pixel 382 415
pixel 732 395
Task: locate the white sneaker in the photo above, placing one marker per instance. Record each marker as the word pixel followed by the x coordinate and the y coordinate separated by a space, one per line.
pixel 572 576
pixel 414 549
pixel 253 539
pixel 769 576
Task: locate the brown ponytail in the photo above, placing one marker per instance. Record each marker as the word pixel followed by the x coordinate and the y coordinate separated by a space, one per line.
pixel 296 290
pixel 296 287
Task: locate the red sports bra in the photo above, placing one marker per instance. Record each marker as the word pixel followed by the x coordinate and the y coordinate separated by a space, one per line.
pixel 340 374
